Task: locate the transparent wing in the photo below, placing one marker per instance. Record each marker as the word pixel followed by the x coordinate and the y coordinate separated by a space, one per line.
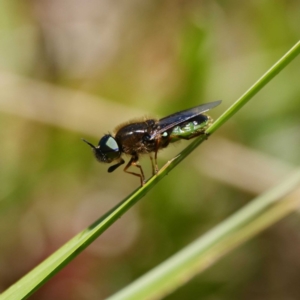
pixel 180 117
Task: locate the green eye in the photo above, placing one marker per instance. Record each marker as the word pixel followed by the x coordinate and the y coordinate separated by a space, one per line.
pixel 110 143
pixel 109 148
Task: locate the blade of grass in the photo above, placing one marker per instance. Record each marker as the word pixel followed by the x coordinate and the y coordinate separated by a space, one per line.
pixel 256 87
pixel 43 272
pixel 259 214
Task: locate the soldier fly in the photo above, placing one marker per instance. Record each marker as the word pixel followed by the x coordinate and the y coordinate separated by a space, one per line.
pixel 147 136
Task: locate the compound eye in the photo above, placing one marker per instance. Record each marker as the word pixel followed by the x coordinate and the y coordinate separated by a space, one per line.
pixel 109 148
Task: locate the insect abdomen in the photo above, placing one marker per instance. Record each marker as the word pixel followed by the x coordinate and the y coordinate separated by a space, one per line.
pixel 192 128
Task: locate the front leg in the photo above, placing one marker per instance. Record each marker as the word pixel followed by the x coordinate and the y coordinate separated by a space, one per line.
pixel 134 162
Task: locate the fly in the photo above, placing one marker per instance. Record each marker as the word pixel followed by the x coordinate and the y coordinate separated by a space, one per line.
pixel 149 136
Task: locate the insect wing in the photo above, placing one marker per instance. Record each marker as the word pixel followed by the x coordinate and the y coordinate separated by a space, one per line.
pixel 180 117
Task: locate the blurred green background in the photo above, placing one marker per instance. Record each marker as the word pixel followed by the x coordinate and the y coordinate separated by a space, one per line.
pixel 72 69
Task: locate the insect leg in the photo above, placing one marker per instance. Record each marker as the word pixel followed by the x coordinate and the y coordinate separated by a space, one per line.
pixel 134 162
pixel 157 146
pixel 155 161
pixel 112 168
pixel 152 164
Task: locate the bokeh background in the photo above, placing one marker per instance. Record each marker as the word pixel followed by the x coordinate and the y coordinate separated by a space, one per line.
pixel 72 69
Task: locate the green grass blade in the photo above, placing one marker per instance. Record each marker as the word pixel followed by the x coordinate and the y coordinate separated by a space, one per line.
pixel 233 109
pixel 262 212
pixel 256 87
pixel 43 272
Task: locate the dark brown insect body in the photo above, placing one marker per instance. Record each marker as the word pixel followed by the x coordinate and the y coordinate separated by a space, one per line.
pixel 134 137
pixel 150 135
